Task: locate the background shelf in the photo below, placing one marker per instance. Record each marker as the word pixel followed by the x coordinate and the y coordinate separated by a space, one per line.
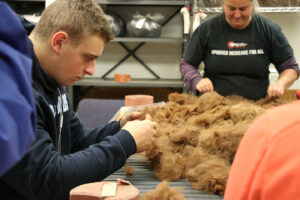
pixel 257 9
pixel 130 2
pixel 173 83
pixel 144 2
pixel 153 40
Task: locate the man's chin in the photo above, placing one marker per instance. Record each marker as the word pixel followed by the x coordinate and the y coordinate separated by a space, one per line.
pixel 68 83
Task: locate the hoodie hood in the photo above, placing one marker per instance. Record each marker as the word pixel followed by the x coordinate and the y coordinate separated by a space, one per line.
pixel 27 24
pixel 40 76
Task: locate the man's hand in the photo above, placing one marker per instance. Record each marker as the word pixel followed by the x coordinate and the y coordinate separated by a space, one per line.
pixel 205 85
pixel 131 117
pixel 275 90
pixel 142 132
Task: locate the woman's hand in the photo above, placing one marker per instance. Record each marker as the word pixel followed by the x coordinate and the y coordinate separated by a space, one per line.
pixel 205 85
pixel 275 90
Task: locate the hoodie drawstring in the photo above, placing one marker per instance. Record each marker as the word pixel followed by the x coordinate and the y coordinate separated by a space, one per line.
pixel 61 120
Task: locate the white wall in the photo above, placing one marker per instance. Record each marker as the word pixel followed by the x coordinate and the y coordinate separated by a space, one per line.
pixel 290 24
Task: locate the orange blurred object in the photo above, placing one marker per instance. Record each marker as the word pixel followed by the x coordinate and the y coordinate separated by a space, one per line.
pixel 138 100
pixel 94 191
pixel 298 94
pixel 122 77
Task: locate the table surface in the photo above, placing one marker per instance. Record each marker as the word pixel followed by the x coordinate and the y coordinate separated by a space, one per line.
pixel 144 179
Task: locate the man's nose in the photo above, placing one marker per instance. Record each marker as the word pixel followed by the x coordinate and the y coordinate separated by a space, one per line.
pixel 90 69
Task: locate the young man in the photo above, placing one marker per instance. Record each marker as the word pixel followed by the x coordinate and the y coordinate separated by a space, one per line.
pixel 69 37
pixel 17 110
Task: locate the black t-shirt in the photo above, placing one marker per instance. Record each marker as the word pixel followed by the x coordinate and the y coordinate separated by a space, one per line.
pixel 237 61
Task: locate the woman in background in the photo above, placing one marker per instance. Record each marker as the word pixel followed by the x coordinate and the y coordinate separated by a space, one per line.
pixel 237 48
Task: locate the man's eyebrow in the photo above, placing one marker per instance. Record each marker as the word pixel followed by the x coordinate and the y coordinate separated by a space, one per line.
pixel 91 55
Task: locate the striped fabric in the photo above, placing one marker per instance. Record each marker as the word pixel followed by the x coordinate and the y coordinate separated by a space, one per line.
pixel 190 75
pixel 289 64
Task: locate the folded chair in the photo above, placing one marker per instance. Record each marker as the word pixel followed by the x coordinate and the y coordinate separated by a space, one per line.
pixel 97 112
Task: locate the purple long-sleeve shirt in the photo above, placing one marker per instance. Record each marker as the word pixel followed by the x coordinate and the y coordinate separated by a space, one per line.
pixel 191 75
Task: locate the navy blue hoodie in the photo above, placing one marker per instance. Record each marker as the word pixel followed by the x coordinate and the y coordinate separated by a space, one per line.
pixel 86 155
pixel 17 109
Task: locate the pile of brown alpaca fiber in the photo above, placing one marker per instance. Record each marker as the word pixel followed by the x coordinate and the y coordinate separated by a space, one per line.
pixel 197 137
pixel 164 192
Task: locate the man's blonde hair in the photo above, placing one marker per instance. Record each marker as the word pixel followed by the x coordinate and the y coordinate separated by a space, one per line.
pixel 76 18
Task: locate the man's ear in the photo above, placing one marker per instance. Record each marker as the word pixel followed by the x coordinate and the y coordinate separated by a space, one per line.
pixel 58 39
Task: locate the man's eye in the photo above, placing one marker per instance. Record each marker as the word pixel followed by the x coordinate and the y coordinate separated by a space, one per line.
pixel 89 58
